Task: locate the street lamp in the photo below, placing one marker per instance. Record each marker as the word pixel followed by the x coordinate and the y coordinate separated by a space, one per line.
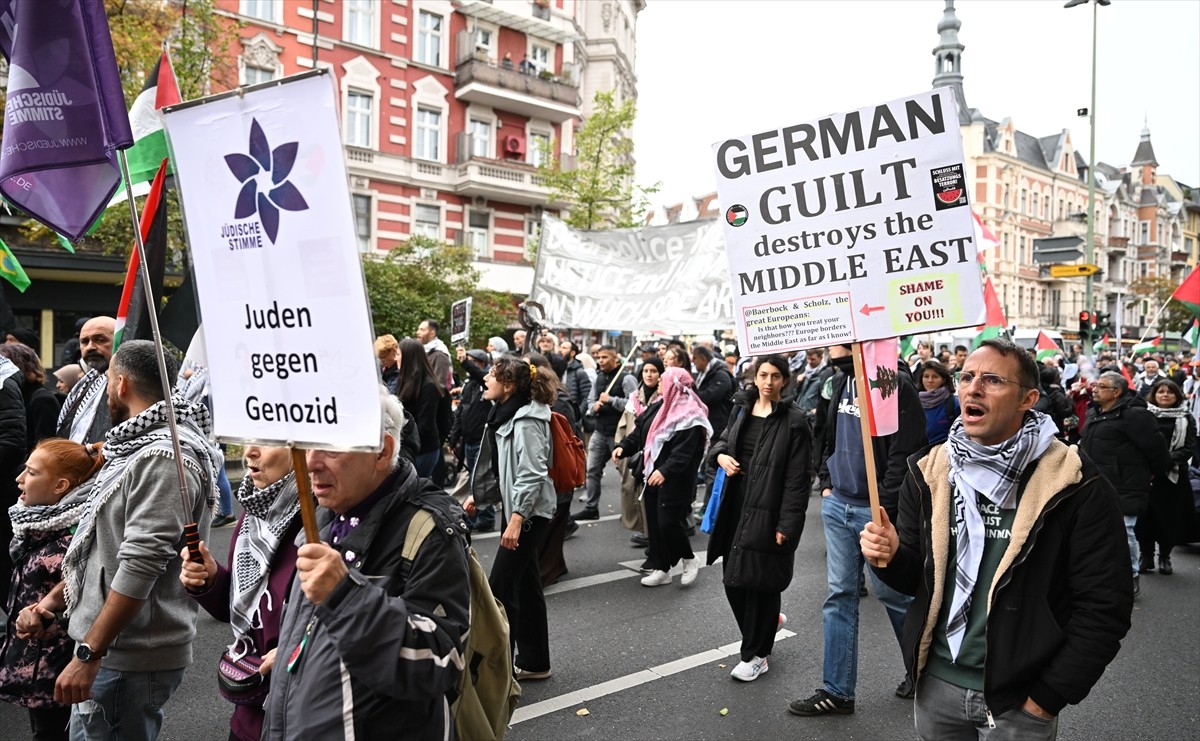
pixel 1091 212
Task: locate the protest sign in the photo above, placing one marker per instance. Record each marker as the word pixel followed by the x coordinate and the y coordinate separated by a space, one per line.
pixel 264 191
pixel 460 320
pixel 654 279
pixel 851 227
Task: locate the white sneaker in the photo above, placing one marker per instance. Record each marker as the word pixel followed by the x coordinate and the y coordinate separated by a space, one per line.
pixel 748 671
pixel 656 579
pixel 782 621
pixel 691 570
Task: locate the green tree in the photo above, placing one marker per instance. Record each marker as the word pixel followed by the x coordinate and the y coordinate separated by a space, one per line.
pixel 600 187
pixel 421 278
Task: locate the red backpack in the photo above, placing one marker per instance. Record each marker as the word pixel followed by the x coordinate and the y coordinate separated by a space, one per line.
pixel 568 461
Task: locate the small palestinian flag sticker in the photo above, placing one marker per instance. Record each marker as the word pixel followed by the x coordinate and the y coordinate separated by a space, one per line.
pixel 736 215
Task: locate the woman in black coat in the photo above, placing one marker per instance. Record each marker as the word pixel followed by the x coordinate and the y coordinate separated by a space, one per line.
pixel 667 445
pixel 1170 517
pixel 41 405
pixel 422 395
pixel 765 453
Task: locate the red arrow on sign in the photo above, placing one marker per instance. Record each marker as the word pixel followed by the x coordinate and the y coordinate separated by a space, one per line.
pixel 867 309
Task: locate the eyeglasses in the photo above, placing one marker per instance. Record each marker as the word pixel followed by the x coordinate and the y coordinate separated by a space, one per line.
pixel 1104 387
pixel 991 382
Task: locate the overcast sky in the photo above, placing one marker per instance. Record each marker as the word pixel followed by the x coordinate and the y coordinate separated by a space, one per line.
pixel 710 70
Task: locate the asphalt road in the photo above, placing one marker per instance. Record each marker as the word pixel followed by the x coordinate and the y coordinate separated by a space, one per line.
pixel 654 663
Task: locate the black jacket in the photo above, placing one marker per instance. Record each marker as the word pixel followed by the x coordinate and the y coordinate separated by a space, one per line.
pixel 1127 446
pixel 384 650
pixel 1054 402
pixel 424 410
pixel 679 459
pixel 12 417
pixel 716 391
pixel 470 416
pixel 1061 599
pixel 41 412
pixel 774 499
pixel 891 451
pixel 578 386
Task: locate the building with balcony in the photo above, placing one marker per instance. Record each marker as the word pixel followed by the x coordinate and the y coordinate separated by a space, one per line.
pixel 448 107
pixel 1027 188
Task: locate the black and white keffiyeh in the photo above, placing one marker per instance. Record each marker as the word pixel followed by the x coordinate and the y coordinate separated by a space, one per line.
pixel 993 471
pixel 1178 433
pixel 47 518
pixel 269 514
pixel 148 430
pixel 85 398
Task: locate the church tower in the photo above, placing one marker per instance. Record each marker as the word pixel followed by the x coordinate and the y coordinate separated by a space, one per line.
pixel 948 59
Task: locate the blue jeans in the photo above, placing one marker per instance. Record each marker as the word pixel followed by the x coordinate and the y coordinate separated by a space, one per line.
pixel 226 499
pixel 125 706
pixel 1134 551
pixel 844 563
pixel 485 517
pixel 426 462
pixel 600 449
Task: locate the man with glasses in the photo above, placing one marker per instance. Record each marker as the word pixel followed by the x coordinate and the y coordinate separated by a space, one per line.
pixel 1122 437
pixel 1012 544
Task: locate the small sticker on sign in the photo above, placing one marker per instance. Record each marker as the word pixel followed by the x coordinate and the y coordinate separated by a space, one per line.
pixel 949 187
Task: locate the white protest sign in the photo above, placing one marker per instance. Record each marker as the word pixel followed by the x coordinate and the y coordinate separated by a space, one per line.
pixel 851 227
pixel 269 221
pixel 460 320
pixel 668 278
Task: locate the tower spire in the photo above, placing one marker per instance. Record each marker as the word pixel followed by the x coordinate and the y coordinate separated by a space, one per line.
pixel 948 58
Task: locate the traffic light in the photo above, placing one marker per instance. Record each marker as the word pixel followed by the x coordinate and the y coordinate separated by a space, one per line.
pixel 1085 322
pixel 1102 320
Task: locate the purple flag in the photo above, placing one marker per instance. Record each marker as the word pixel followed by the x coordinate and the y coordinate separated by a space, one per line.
pixel 65 115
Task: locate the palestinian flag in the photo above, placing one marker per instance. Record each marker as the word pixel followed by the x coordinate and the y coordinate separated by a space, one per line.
pixel 984 239
pixel 145 118
pixel 736 215
pixel 994 322
pixel 1188 292
pixel 1101 344
pixel 1192 335
pixel 1045 347
pixel 11 270
pixel 1142 347
pixel 133 320
pixel 907 347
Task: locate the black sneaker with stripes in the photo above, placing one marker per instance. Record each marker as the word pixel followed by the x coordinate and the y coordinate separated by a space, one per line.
pixel 820 704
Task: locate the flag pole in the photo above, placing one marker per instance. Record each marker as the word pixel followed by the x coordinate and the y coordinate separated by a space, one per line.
pixel 1153 323
pixel 308 510
pixel 864 423
pixel 191 530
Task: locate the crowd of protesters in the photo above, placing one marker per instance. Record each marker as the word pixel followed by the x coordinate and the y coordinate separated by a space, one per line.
pixel 1000 440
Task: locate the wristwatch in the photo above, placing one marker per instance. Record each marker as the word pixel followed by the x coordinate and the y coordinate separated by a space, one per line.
pixel 86 653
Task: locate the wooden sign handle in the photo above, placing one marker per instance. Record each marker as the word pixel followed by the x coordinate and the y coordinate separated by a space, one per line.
pixel 864 391
pixel 308 510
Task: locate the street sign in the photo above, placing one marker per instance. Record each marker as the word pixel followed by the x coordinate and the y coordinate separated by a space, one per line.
pixel 1073 271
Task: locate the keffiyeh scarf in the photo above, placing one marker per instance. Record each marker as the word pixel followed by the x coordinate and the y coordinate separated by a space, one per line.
pixel 1178 434
pixel 47 518
pixel 146 432
pixel 681 410
pixel 993 471
pixel 269 514
pixel 83 401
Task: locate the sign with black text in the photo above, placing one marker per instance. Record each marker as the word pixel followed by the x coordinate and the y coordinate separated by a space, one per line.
pixel 460 320
pixel 263 184
pixel 852 227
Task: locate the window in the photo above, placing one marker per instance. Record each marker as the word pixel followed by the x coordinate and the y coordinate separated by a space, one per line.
pixel 539 149
pixel 255 75
pixel 533 233
pixel 1046 208
pixel 1143 232
pixel 358 119
pixel 427 221
pixel 1024 197
pixel 360 22
pixel 483 44
pixel 481 138
pixel 429 39
pixel 263 10
pixel 362 222
pixel 541 58
pixel 1021 249
pixel 429 132
pixel 477 232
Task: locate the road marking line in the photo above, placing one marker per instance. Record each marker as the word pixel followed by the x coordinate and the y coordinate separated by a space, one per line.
pixel 613 686
pixel 582 523
pixel 587 581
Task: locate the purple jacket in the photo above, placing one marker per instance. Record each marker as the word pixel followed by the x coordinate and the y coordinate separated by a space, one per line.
pixel 247 720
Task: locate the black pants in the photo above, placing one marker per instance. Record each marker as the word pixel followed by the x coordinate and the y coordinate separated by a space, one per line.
pixel 665 528
pixel 551 562
pixel 50 724
pixel 516 581
pixel 757 615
